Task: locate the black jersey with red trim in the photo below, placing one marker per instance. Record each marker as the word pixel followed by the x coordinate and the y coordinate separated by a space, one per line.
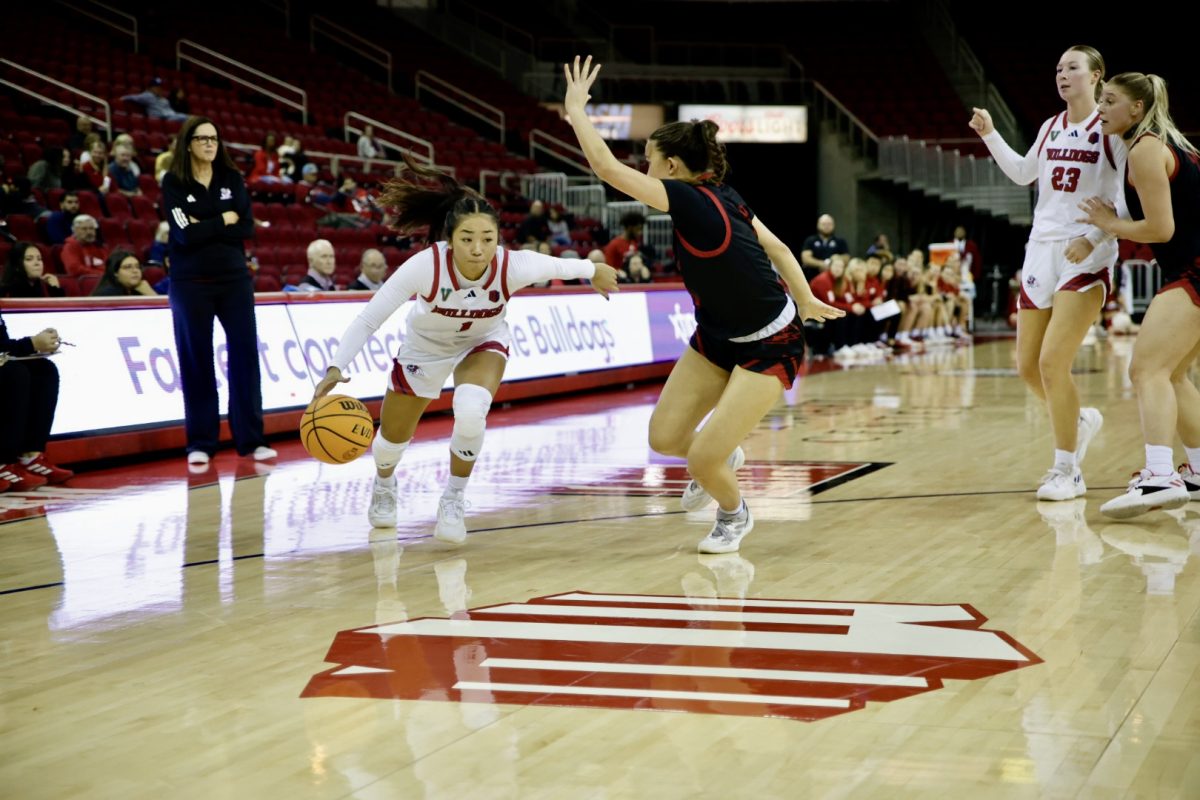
pixel 1183 249
pixel 735 289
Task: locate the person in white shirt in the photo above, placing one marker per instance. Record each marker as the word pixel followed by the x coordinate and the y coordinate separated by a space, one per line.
pixel 1066 269
pixel 368 145
pixel 456 325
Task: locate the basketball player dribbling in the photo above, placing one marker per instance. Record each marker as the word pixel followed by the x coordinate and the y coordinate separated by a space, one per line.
pixel 457 326
pixel 749 340
pixel 1065 277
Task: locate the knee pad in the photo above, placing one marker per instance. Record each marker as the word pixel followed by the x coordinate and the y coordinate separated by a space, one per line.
pixel 471 406
pixel 387 454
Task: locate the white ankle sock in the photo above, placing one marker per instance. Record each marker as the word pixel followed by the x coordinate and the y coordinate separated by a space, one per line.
pixel 1064 460
pixel 1158 459
pixel 1193 454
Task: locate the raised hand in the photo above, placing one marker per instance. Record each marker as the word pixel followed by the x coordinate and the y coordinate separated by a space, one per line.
pixel 579 83
pixel 981 121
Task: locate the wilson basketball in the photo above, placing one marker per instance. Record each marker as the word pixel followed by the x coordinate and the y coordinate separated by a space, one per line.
pixel 336 428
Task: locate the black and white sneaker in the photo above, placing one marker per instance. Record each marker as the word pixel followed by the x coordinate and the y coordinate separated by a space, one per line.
pixel 1148 492
pixel 1191 480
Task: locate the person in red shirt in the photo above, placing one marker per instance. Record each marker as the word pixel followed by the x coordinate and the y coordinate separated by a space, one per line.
pixel 629 242
pixel 82 254
pixel 833 287
pixel 266 162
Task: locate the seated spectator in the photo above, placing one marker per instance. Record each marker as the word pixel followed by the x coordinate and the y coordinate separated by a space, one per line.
pixel 371 271
pixel 158 250
pixel 82 254
pixel 560 228
pixel 88 144
pixel 266 162
pixel 17 197
pixel 368 145
pixel 162 162
pixel 58 224
pixel 312 189
pixel 164 285
pixel 634 270
pixel 127 140
pixel 534 228
pixel 880 247
pixel 154 100
pixel 28 399
pixel 47 173
pixel 94 168
pixel 78 139
pixel 25 275
pixel 630 241
pixel 321 265
pixel 292 159
pixel 125 178
pixel 122 277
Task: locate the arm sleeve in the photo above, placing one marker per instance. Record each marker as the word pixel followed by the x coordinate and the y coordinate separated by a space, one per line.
pixel 1019 169
pixel 526 267
pixel 183 231
pixel 414 276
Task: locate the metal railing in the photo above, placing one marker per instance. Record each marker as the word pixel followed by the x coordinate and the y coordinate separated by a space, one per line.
pixel 116 19
pixel 549 187
pixel 830 108
pixel 105 123
pixel 351 130
pixel 559 149
pixel 615 209
pixel 298 101
pixel 965 180
pixel 455 96
pixel 1145 279
pixel 335 159
pixel 659 233
pixel 502 176
pixel 351 40
pixel 585 199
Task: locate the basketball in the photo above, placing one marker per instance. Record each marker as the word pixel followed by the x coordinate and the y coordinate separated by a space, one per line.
pixel 336 428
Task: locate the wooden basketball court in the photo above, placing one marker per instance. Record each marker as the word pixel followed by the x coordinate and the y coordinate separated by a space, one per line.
pixel 904 621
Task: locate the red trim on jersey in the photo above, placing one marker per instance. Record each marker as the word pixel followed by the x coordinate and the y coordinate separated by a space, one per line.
pixel 1108 153
pixel 437 275
pixel 1085 281
pixel 1175 171
pixel 504 278
pixel 495 265
pixel 1064 120
pixel 1046 135
pixel 1024 303
pixel 1092 124
pixel 728 230
pixel 1186 285
pixel 399 382
pixel 450 268
pixel 499 348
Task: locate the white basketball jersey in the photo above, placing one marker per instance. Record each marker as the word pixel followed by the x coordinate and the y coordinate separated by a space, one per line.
pixel 451 312
pixel 1075 162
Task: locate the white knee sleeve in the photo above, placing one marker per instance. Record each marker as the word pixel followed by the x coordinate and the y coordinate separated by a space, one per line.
pixel 387 454
pixel 471 405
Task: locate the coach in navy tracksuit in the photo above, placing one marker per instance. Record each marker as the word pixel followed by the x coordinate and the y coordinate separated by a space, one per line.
pixel 208 210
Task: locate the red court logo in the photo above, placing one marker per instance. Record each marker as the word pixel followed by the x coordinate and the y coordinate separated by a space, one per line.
pixel 805 660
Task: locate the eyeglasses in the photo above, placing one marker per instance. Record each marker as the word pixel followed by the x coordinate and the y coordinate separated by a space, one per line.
pixel 206 139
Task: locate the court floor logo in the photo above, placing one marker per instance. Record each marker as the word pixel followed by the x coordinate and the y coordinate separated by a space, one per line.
pixel 798 659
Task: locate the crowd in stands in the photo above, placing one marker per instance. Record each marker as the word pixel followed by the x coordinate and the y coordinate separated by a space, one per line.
pixel 892 302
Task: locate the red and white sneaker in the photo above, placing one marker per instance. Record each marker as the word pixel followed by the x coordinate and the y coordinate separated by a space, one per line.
pixel 44 469
pixel 19 478
pixel 1191 480
pixel 1148 492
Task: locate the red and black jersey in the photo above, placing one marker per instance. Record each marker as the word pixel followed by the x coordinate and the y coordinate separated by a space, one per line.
pixel 1183 250
pixel 735 289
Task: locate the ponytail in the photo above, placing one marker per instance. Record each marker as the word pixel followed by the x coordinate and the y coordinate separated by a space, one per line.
pixel 1151 90
pixel 695 144
pixel 418 205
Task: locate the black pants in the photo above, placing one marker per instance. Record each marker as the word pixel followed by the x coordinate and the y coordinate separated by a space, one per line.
pixel 194 306
pixel 28 398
